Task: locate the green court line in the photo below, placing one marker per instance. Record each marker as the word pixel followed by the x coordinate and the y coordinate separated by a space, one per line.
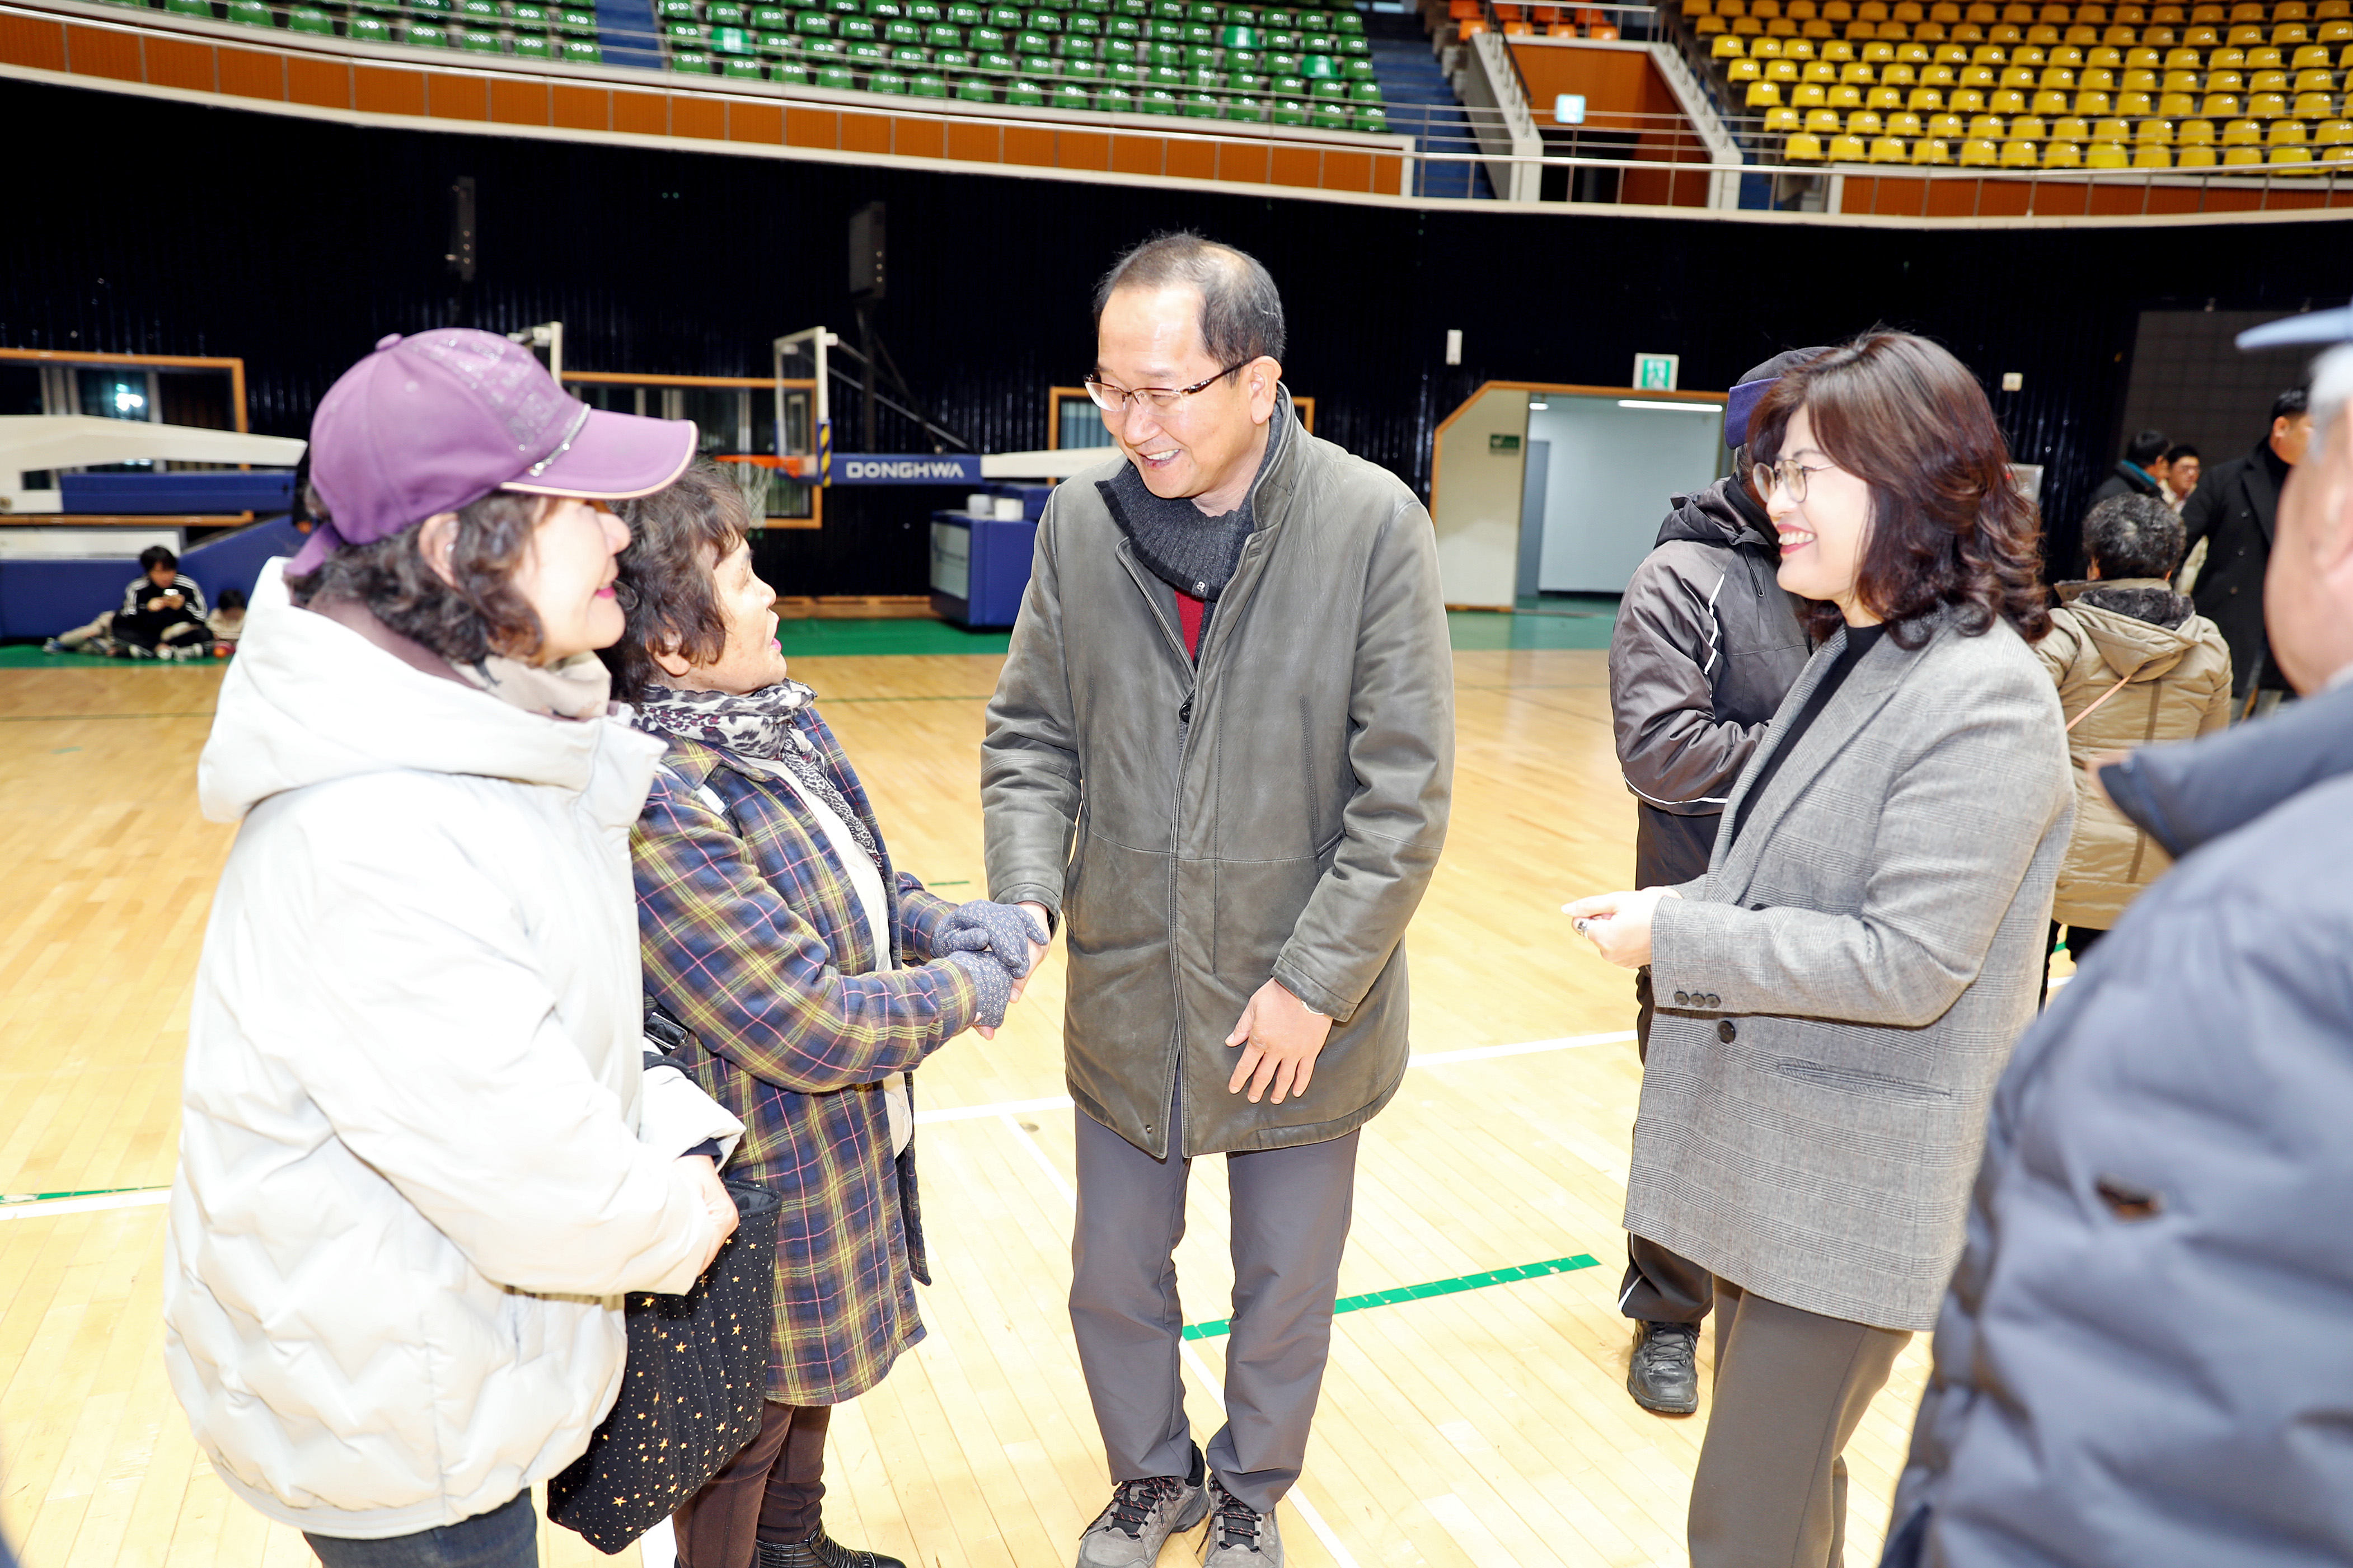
pixel 1218 1326
pixel 86 1193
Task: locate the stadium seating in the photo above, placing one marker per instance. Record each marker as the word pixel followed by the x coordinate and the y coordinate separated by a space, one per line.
pixel 2051 86
pixel 1295 66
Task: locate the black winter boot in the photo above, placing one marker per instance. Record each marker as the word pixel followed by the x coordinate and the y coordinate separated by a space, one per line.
pixel 821 1550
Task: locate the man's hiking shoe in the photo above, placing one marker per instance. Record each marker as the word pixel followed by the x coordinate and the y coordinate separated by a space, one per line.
pixel 1143 1515
pixel 1239 1535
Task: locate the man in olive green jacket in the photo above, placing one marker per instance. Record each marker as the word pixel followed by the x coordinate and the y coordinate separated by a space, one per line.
pixel 1220 754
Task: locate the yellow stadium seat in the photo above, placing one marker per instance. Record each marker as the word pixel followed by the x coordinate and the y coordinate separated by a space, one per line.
pixel 2312 106
pixel 1747 27
pixel 1807 95
pixel 2312 78
pixel 2241 157
pixel 1844 97
pixel 1886 150
pixel 2287 34
pixel 1743 70
pixel 2339 153
pixel 2061 155
pixel 2311 56
pixel 2175 105
pixel 1781 71
pixel 1710 26
pixel 2266 105
pixel 1846 150
pixel 1863 122
pixel 2152 157
pixel 2293 153
pixel 2195 133
pixel 2196 158
pixel 1989 128
pixel 1778 121
pixel 1726 48
pixel 2029 127
pixel 2073 128
pixel 1929 149
pixel 2337 32
pixel 2181 59
pixel 2222 106
pixel 1947 126
pixel 1978 151
pixel 2111 130
pixel 1824 121
pixel 2105 155
pixel 1927 100
pixel 2288 133
pixel 2094 104
pixel 1883 98
pixel 2241 133
pixel 2018 155
pixel 1763 94
pixel 1906 125
pixel 2334 134
pixel 2006 100
pixel 2153 132
pixel 2019 77
pixel 1802 148
pixel 2134 105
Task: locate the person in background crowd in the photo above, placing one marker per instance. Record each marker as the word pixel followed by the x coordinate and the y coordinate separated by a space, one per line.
pixel 422 1157
pixel 2142 471
pixel 226 622
pixel 1706 647
pixel 801 977
pixel 2142 1358
pixel 2182 467
pixel 2234 513
pixel 1838 993
pixel 2134 663
pixel 163 611
pixel 1233 647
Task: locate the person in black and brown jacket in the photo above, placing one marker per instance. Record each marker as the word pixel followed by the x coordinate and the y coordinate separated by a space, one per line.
pixel 163 610
pixel 1705 647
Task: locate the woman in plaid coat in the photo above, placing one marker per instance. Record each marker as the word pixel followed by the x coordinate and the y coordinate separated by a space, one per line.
pixel 801 978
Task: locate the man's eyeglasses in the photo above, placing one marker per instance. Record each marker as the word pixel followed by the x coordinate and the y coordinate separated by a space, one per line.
pixel 1112 400
pixel 1787 474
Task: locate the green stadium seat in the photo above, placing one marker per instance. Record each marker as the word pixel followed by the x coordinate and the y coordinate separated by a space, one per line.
pixel 1023 93
pixel 310 19
pixel 191 8
pixel 886 81
pixel 927 84
pixel 582 52
pixel 252 13
pixel 1070 96
pixel 1369 117
pixel 790 71
pixel 365 29
pixel 1287 112
pixel 531 46
pixel 1158 101
pixel 579 22
pixel 481 41
pixel 976 89
pixel 1252 110
pixel 1328 117
pixel 1115 100
pixel 835 76
pixel 695 62
pixel 425 36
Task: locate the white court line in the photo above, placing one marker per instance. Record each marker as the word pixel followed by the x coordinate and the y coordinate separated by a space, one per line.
pixel 44 1209
pixel 1419 1059
pixel 1296 1496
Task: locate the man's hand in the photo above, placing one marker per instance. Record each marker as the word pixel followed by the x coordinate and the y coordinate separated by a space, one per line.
pixel 1619 924
pixel 1037 949
pixel 160 602
pixel 716 1202
pixel 1280 1040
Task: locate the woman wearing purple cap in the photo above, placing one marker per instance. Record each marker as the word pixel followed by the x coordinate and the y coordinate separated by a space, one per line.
pixel 421 1159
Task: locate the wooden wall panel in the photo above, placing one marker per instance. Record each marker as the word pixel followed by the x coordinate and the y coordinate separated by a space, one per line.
pixel 1295 166
pixel 865 133
pixel 975 143
pixel 1347 171
pixel 1030 146
pixel 1190 160
pixel 98 51
pixel 35 45
pixel 376 89
pixel 579 107
pixel 812 128
pixel 252 73
pixel 448 97
pixel 704 118
pixel 760 122
pixel 323 84
pixel 1138 155
pixel 919 138
pixel 181 63
pixel 1245 162
pixel 523 103
pixel 641 113
pixel 1082 149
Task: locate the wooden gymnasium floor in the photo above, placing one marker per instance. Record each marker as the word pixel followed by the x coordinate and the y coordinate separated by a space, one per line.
pixel 1488 1425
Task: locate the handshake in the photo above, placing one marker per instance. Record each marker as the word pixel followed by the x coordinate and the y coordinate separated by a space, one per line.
pixel 997 945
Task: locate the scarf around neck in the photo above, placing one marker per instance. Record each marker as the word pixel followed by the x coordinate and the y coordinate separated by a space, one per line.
pixel 1196 555
pixel 762 726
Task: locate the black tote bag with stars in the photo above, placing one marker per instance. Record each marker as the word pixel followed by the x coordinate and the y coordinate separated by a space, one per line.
pixel 691 1393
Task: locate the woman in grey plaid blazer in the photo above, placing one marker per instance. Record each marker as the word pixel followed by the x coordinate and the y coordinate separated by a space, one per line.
pixel 1838 993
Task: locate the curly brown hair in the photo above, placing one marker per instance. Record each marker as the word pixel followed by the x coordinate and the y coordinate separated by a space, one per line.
pixel 678 537
pixel 474 613
pixel 1949 524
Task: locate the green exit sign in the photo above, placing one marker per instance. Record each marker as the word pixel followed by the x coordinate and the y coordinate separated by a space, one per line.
pixel 1499 442
pixel 1656 372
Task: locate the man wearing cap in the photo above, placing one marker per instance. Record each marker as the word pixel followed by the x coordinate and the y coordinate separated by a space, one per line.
pixel 1707 644
pixel 422 1156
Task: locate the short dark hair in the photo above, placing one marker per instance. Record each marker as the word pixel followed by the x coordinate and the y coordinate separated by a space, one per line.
pixel 678 537
pixel 2295 400
pixel 1241 310
pixel 231 599
pixel 478 613
pixel 2180 450
pixel 155 555
pixel 1948 523
pixel 2145 449
pixel 2133 536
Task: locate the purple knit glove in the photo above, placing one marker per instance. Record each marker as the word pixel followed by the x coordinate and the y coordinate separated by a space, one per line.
pixel 1002 931
pixel 988 977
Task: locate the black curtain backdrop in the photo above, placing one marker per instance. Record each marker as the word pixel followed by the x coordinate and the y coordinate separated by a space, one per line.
pixel 155 227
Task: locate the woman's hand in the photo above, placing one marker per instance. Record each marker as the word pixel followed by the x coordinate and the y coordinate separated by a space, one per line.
pixel 716 1202
pixel 1619 924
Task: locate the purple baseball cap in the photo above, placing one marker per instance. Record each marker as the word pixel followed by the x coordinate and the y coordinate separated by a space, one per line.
pixel 1750 389
pixel 434 422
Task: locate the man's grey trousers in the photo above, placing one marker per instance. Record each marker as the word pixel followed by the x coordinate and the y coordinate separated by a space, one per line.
pixel 1290 1213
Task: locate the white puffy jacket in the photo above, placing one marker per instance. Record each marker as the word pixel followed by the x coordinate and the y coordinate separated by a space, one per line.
pixel 412 1183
